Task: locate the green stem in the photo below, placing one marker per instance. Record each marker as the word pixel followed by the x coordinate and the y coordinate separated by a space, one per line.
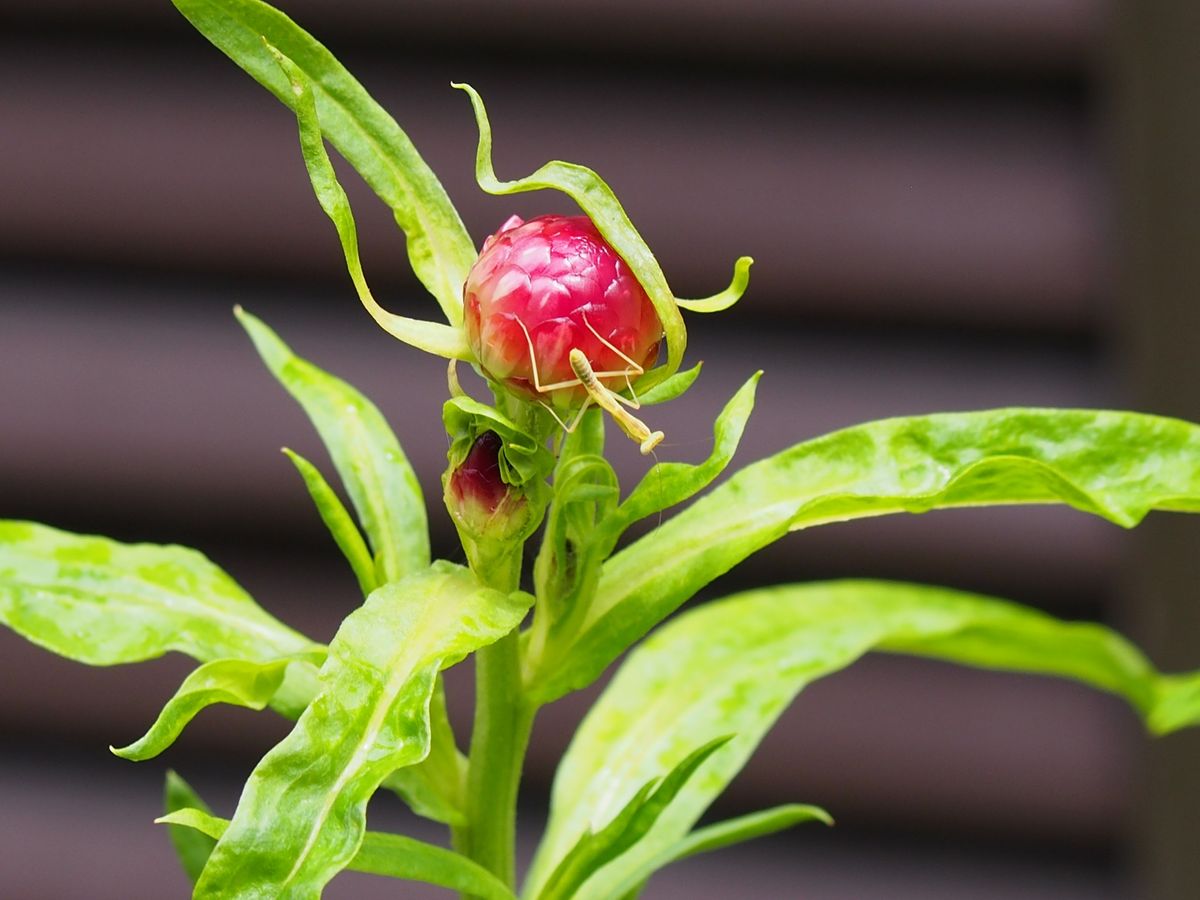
pixel 503 719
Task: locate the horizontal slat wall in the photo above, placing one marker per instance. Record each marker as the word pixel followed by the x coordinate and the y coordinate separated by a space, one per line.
pixel 922 188
pixel 1013 35
pixel 853 201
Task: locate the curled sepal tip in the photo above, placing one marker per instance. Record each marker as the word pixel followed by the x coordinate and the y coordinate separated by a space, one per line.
pixel 433 337
pixel 727 297
pixel 597 199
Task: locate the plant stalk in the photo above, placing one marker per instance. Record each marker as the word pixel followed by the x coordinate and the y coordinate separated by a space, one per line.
pixel 503 720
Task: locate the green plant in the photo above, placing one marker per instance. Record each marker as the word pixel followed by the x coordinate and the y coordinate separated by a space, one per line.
pixel 689 705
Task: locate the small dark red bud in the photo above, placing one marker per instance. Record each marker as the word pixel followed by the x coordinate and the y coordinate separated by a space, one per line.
pixel 477 480
pixel 493 518
pixel 484 507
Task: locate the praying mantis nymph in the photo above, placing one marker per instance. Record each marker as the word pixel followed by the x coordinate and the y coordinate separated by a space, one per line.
pixel 607 400
pixel 610 402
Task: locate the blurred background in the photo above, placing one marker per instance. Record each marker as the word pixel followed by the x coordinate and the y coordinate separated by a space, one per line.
pixel 953 204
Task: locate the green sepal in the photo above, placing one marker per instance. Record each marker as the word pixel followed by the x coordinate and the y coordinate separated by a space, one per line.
pixel 192 847
pixel 675 386
pixel 494 538
pixel 449 341
pixel 729 296
pixel 596 199
pixel 598 846
pixel 524 459
pixel 337 519
pixel 390 855
pixel 439 248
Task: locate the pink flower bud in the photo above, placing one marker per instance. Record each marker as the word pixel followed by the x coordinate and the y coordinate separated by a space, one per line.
pixel 555 283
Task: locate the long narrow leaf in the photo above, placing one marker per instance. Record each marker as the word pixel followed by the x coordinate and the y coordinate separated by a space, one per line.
pixel 238 682
pixel 191 846
pixel 337 519
pixel 745 828
pixel 599 846
pixel 439 247
pixel 377 475
pixel 671 483
pixel 1113 464
pixel 370 718
pixel 443 340
pixel 725 834
pixel 101 602
pixel 579 535
pixel 735 665
pixel 392 855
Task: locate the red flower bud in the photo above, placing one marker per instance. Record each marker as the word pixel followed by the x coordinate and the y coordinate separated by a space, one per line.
pixel 493 518
pixel 554 284
pixel 483 506
pixel 475 489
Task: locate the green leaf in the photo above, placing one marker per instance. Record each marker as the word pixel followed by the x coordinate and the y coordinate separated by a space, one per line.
pixel 336 518
pixel 736 664
pixel 439 247
pixel 596 199
pixel 434 787
pixel 443 340
pixel 392 855
pixel 744 828
pixel 101 602
pixel 370 718
pixel 581 533
pixel 377 475
pixel 1113 464
pixel 667 484
pixel 729 296
pixel 239 682
pixel 725 834
pixel 599 846
pixel 191 846
pixel 397 856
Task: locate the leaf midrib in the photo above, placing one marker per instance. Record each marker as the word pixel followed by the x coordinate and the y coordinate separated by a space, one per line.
pixel 397 677
pixel 182 603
